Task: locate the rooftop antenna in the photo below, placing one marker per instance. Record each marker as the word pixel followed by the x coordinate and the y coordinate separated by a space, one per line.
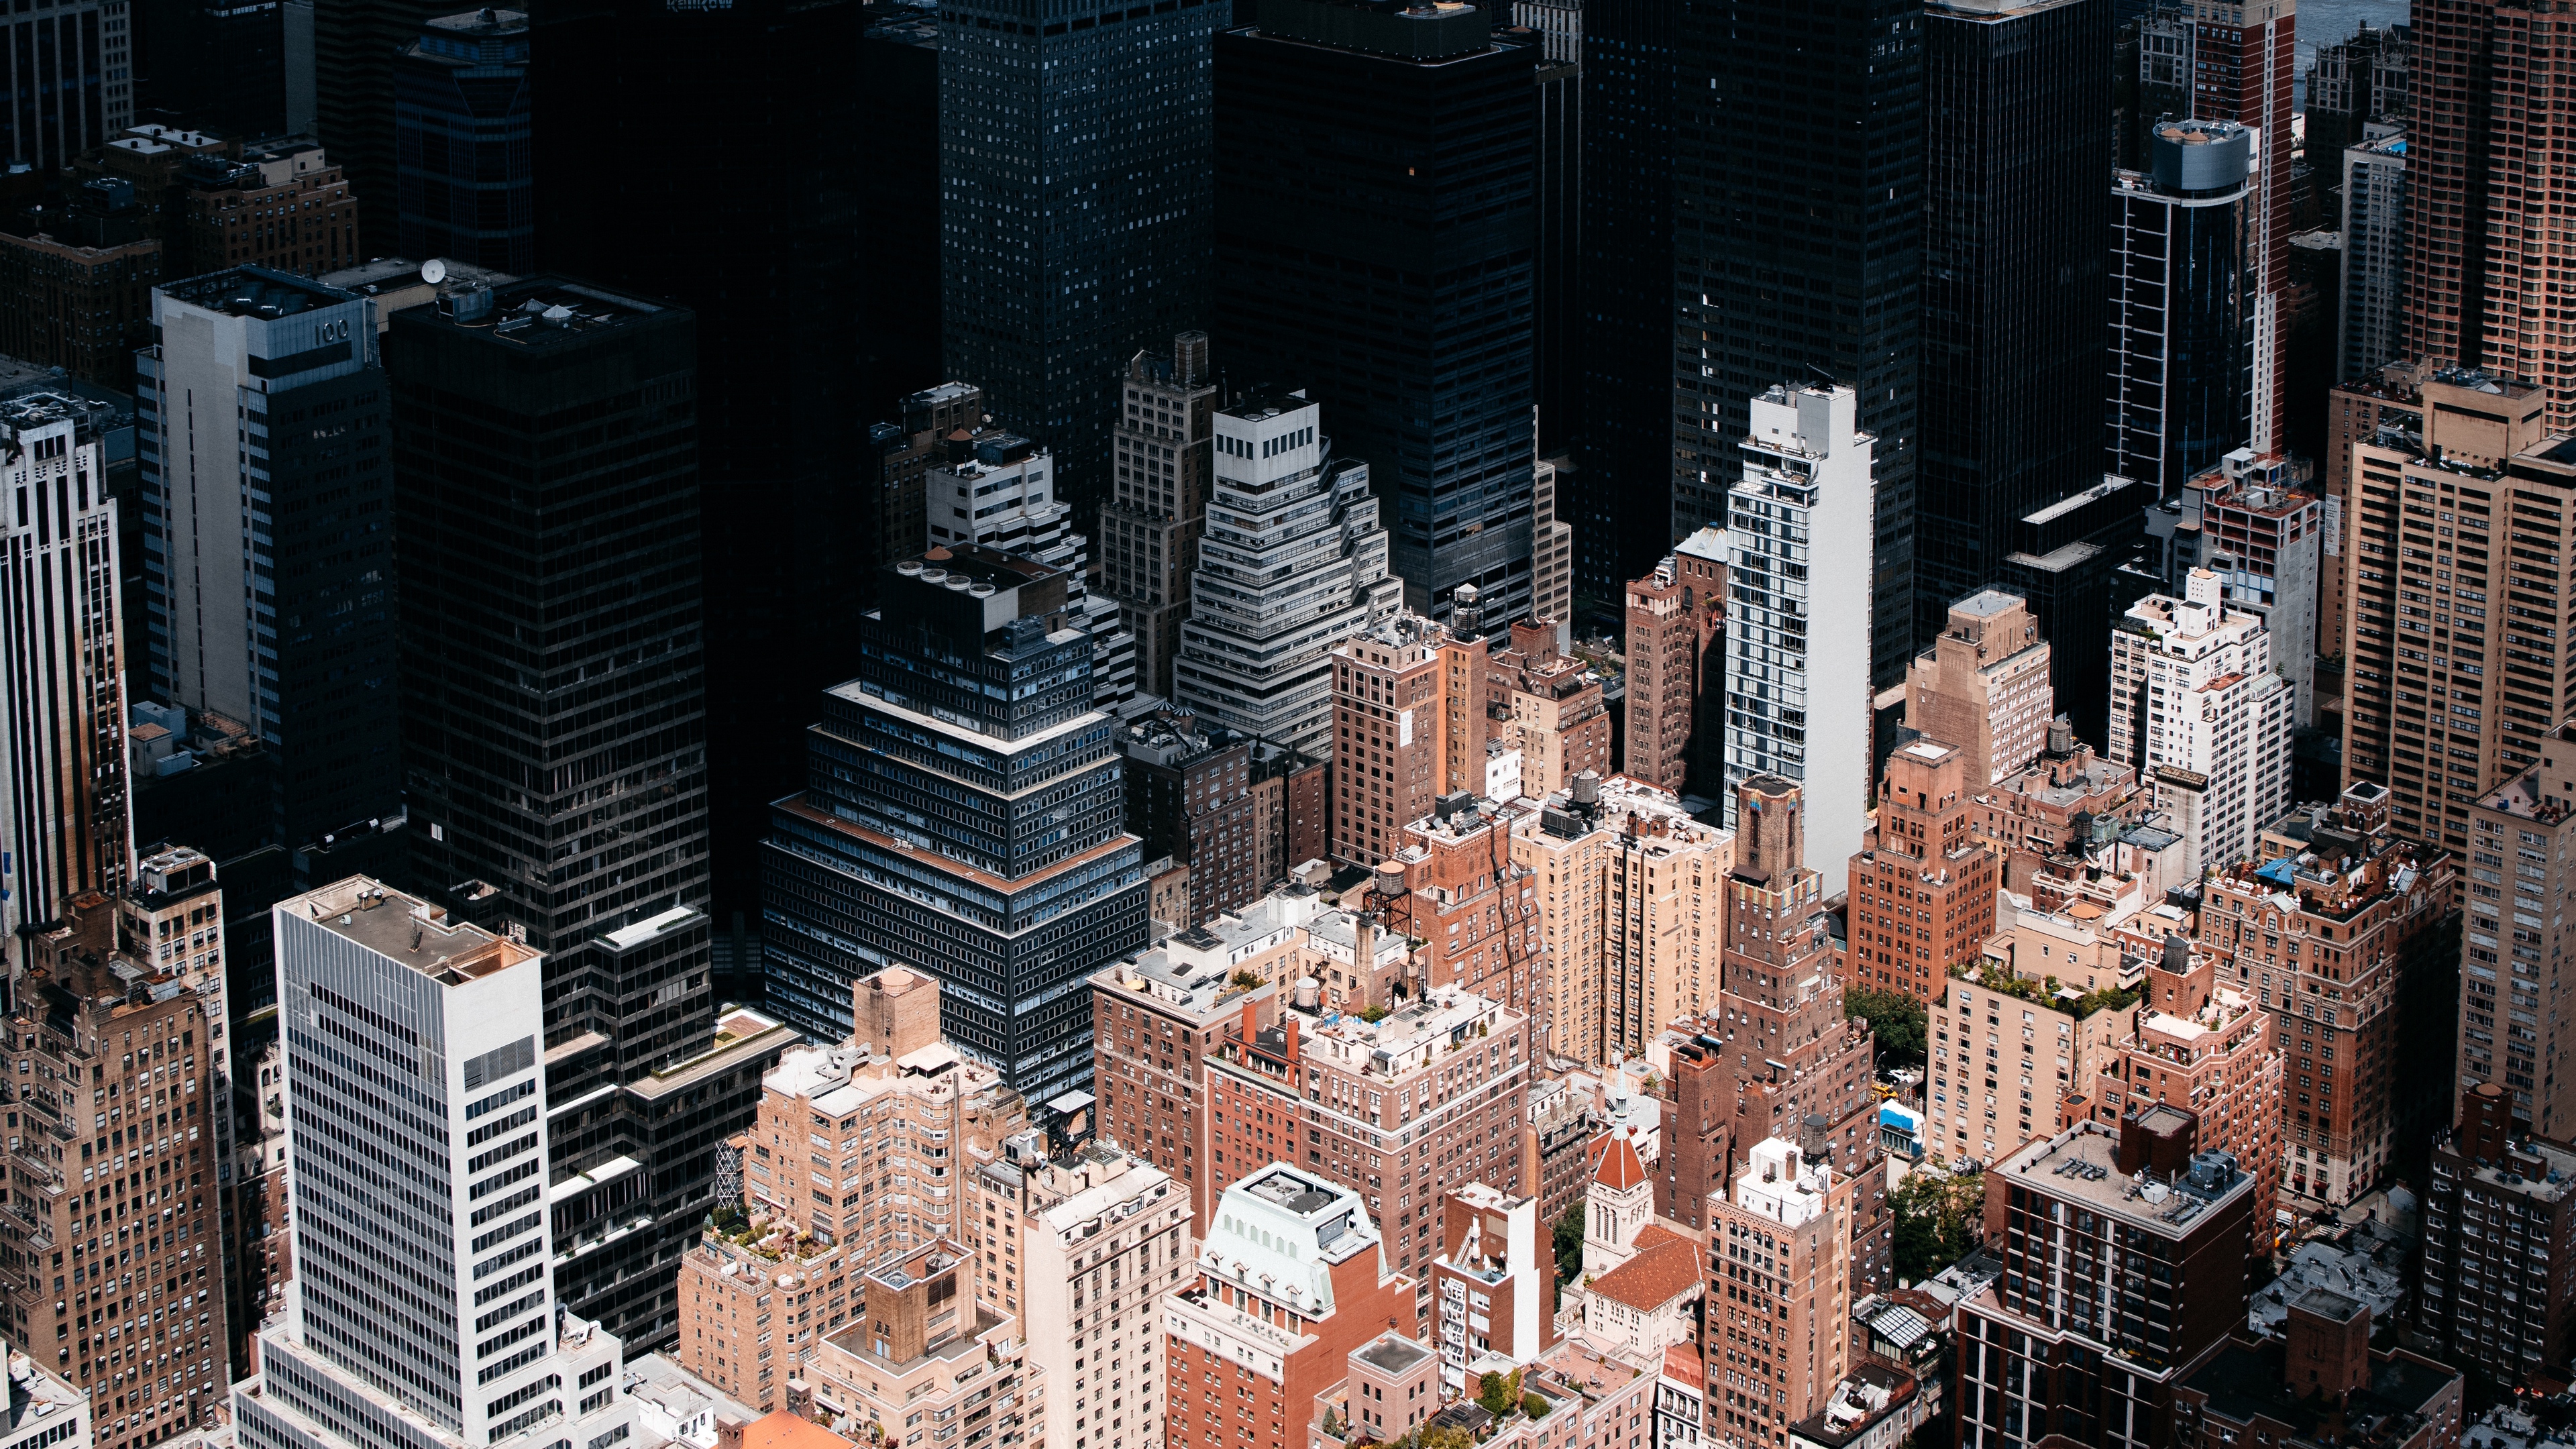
pixel 433 271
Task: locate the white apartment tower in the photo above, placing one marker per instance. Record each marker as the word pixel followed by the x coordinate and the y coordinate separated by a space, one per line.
pixel 2197 708
pixel 998 489
pixel 64 823
pixel 1293 562
pixel 1798 699
pixel 423 1313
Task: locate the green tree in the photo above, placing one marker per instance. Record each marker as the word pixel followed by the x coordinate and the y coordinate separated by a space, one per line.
pixel 1489 1395
pixel 1938 1219
pixel 1897 1019
pixel 1569 1249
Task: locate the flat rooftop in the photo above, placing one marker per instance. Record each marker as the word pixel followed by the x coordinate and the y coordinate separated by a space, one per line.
pixel 543 313
pixel 255 292
pixel 2082 1166
pixel 408 929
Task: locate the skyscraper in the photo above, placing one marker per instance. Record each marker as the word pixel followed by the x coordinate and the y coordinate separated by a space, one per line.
pixel 2016 96
pixel 2181 376
pixel 2371 302
pixel 2447 202
pixel 462 168
pixel 442 1308
pixel 554 731
pixel 268 535
pixel 965 814
pixel 2196 708
pixel 1149 529
pixel 2244 66
pixel 1401 300
pixel 1797 688
pixel 68 75
pixel 2526 149
pixel 1800 255
pixel 355 48
pixel 1075 203
pixel 64 818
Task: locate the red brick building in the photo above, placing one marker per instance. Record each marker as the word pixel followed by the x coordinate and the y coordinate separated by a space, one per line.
pixel 1922 889
pixel 1676 650
pixel 1454 887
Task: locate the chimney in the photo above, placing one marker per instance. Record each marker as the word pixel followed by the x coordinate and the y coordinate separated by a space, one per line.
pixel 1289 1019
pixel 729 1429
pixel 2486 1122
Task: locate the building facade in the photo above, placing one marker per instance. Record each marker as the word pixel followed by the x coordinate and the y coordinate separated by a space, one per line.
pixel 462 158
pixel 72 71
pixel 2371 302
pixel 2198 710
pixel 1676 618
pixel 1779 1292
pixel 2181 375
pixel 1983 687
pixel 1149 528
pixel 1922 886
pixel 2499 1240
pixel 2510 1036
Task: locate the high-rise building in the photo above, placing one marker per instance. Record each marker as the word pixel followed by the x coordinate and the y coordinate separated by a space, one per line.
pixel 1619 495
pixel 437 1319
pixel 282 204
pixel 1399 691
pixel 1453 886
pixel 2244 70
pixel 1547 705
pixel 1789 269
pixel 2012 284
pixel 2512 1035
pixel 929 1346
pixel 1189 797
pixel 997 489
pixel 1676 665
pixel 462 168
pixel 2469 453
pixel 1556 211
pixel 2499 1230
pixel 1922 886
pixel 2341 933
pixel 903 451
pixel 1551 545
pixel 1433 1093
pixel 2198 710
pixel 2075 1216
pixel 1402 298
pixel 1493 1287
pixel 2370 329
pixel 2248 522
pixel 1295 565
pixel 77 294
pixel 1797 694
pixel 2362 79
pixel 899 100
pixel 1278 1229
pixel 2181 377
pixel 90 1018
pixel 262 425
pixel 1780 1289
pixel 2524 146
pixel 1985 1099
pixel 71 77
pixel 1061 255
pixel 355 50
pixel 1983 687
pixel 975 691
pixel 1149 527
pixel 66 820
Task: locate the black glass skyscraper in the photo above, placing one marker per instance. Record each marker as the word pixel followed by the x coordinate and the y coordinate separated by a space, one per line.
pixel 1374 236
pixel 1619 497
pixel 462 163
pixel 2180 375
pixel 554 736
pixel 1074 207
pixel 733 190
pixel 965 813
pixel 1797 246
pixel 2016 124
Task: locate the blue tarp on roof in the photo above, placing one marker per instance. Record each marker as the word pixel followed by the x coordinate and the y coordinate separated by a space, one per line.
pixel 2278 872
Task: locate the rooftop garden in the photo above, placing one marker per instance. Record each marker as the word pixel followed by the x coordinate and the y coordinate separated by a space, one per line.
pixel 2044 991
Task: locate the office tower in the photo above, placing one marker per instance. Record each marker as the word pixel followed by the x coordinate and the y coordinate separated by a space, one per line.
pixel 1297 564
pixel 1983 687
pixel 1149 527
pixel 1986 1106
pixel 1676 660
pixel 1780 1286
pixel 898 518
pixel 1547 705
pixel 928 1346
pixel 76 293
pixel 1493 1287
pixel 282 204
pixel 2372 297
pixel 1556 213
pixel 2476 459
pixel 1277 1229
pixel 2244 69
pixel 2183 290
pixel 135 1132
pixel 1101 1236
pixel 2515 831
pixel 1029 881
pixel 2201 1044
pixel 2247 521
pixel 2198 710
pixel 2318 1383
pixel 1551 546
pixel 1403 302
pixel 2016 96
pixel 2340 935
pixel 70 70
pixel 1922 887
pixel 2362 80
pixel 268 535
pixel 1619 496
pixel 356 49
pixel 1189 796
pixel 1797 693
pixel 766 261
pixel 2098 1207
pixel 1044 315
pixel 1453 886
pixel 373 1346
pixel 899 113
pixel 997 489
pixel 1432 1093
pixel 1803 267
pixel 554 734
pixel 2499 1235
pixel 462 169
pixel 1629 908
pixel 218 67
pixel 62 663
pixel 1399 691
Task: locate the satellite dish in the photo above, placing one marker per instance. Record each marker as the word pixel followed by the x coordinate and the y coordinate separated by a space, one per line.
pixel 433 271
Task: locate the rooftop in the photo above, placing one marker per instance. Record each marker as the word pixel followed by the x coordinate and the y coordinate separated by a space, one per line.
pixel 2081 1165
pixel 1655 1275
pixel 1392 1353
pixel 408 929
pixel 255 292
pixel 2243 1380
pixel 2323 1267
pixel 541 313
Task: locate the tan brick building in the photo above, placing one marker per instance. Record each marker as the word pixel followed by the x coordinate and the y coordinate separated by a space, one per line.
pixel 2008 1053
pixel 1984 686
pixel 284 206
pixel 1453 886
pixel 1547 704
pixel 1779 1294
pixel 1409 726
pixel 929 1355
pixel 1922 888
pixel 1676 651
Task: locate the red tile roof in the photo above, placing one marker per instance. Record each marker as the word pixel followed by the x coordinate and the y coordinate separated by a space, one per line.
pixel 1615 1164
pixel 1655 1277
